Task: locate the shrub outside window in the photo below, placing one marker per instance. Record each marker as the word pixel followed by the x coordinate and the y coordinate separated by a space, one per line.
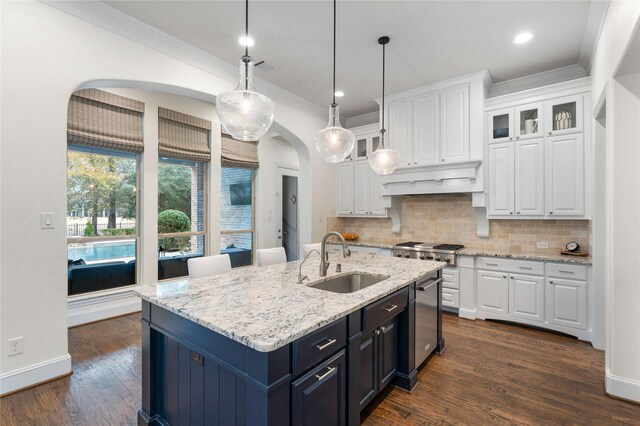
pixel 181 215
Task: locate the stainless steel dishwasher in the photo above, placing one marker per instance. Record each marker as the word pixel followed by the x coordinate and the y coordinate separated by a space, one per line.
pixel 426 318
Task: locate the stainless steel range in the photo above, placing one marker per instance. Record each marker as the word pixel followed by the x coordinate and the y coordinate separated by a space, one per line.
pixel 424 251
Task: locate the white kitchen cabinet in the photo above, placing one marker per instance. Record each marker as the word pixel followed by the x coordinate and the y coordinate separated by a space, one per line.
pixel 500 125
pixel 501 180
pixel 358 191
pixel 529 123
pixel 493 292
pixel 431 128
pixel 400 130
pixel 344 190
pixel 565 177
pixel 564 115
pixel 526 297
pixel 567 302
pixel 529 177
pixel 454 124
pixel 426 131
pixel 450 288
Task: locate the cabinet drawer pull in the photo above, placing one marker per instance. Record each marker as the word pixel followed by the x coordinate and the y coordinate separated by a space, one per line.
pixel 326 345
pixel 525 267
pixel 492 264
pixel 566 272
pixel 329 371
pixel 390 308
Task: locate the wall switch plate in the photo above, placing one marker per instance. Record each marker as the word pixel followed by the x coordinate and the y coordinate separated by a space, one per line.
pixel 46 220
pixel 15 346
pixel 320 218
pixel 542 244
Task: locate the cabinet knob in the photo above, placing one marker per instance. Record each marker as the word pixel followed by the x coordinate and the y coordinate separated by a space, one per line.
pixel 408 164
pixel 512 277
pixel 550 282
pixel 442 160
pixel 517 137
pixel 504 276
pixel 383 328
pixel 415 162
pixel 550 133
pixel 510 138
pixel 517 212
pixel 510 212
pixel 550 212
pixel 377 332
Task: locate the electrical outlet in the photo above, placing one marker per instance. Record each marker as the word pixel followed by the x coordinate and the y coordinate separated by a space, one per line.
pixel 15 346
pixel 542 244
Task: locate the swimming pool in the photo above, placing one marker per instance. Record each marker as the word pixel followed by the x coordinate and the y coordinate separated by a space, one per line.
pixel 102 251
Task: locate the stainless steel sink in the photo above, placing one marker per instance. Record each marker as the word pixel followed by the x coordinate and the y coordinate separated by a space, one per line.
pixel 349 283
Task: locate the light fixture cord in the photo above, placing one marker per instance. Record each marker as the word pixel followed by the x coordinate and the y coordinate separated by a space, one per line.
pixel 384 46
pixel 334 52
pixel 246 44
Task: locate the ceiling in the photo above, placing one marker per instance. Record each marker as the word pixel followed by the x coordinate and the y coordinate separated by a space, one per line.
pixel 430 40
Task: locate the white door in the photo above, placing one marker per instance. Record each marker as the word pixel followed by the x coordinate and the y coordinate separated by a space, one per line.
pixel 287 211
pixel 376 204
pixel 564 176
pixel 529 167
pixel 526 297
pixel 399 131
pixel 493 292
pixel 426 130
pixel 454 124
pixel 361 187
pixel 501 179
pixel 344 188
pixel 500 125
pixel 567 302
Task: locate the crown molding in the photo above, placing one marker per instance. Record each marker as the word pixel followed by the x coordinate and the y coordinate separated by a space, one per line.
pixel 119 23
pixel 540 93
pixel 541 79
pixel 362 120
pixel 593 29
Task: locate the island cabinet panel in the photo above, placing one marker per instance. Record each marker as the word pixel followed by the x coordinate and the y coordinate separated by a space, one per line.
pixel 319 397
pixel 368 369
pixel 388 352
pixel 317 346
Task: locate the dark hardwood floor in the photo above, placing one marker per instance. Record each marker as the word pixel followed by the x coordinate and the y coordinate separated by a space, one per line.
pixel 490 373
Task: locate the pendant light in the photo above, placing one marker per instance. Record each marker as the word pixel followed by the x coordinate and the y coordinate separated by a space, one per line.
pixel 243 112
pixel 383 161
pixel 334 143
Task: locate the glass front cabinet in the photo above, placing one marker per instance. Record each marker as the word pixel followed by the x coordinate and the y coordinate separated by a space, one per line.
pixel 529 121
pixel 564 115
pixel 500 125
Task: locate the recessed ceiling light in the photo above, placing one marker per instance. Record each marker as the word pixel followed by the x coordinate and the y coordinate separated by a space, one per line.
pixel 246 41
pixel 339 93
pixel 522 38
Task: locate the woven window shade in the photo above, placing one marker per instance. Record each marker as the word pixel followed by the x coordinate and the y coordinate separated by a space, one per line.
pixel 239 154
pixel 104 120
pixel 183 136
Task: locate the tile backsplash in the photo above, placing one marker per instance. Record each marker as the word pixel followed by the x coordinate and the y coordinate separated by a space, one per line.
pixel 450 218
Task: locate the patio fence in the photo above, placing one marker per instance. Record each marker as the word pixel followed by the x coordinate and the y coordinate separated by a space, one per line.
pixel 77 229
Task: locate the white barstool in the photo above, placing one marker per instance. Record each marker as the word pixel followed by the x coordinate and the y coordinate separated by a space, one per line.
pixel 270 256
pixel 209 265
pixel 306 248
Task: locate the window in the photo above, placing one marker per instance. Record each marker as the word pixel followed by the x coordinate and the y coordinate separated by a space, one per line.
pixel 181 215
pixel 102 208
pixel 237 215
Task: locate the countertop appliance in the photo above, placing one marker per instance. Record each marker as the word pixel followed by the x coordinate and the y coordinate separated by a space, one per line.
pixel 428 318
pixel 424 251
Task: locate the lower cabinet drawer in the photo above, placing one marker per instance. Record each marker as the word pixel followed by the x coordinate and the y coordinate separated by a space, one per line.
pixel 451 278
pixel 451 297
pixel 384 309
pixel 319 397
pixel 318 345
pixel 567 271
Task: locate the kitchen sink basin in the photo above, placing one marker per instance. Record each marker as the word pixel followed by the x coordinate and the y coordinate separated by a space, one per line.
pixel 349 283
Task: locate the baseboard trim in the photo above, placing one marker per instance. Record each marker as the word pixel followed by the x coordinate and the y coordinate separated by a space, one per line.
pixel 100 306
pixel 35 374
pixel 467 313
pixel 619 387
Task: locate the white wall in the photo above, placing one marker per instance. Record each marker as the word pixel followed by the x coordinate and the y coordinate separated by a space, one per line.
pixel 622 198
pixel 271 152
pixel 46 55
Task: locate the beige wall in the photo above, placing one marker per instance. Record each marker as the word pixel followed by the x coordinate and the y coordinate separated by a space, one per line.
pixel 450 218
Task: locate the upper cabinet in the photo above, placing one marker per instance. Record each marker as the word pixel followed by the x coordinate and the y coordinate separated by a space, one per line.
pixel 537 153
pixel 358 189
pixel 432 128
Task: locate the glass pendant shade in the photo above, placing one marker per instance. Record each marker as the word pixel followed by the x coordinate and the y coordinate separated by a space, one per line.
pixel 244 113
pixel 334 143
pixel 384 161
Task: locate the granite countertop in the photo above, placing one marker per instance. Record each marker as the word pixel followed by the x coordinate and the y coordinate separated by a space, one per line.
pixel 357 243
pixel 467 251
pixel 265 309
